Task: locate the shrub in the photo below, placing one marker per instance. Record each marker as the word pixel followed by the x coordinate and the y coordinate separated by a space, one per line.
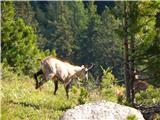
pixel 109 88
pixel 108 79
pixel 149 97
pixel 9 74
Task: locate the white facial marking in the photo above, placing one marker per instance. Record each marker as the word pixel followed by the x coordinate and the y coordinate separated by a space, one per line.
pixel 82 66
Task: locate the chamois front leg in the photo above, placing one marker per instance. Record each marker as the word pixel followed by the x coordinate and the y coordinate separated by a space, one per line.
pixel 55 86
pixel 67 91
pixel 67 86
pixel 42 82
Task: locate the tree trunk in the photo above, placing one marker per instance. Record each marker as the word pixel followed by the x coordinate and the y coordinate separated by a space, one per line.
pixel 132 69
pixel 126 57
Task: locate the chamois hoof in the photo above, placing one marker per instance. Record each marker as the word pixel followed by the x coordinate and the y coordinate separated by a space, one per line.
pixel 67 97
pixel 36 86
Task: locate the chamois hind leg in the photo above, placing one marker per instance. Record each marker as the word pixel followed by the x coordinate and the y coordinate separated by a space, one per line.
pixel 36 79
pixel 55 86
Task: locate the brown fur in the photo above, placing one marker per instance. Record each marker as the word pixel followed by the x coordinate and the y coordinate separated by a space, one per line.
pixel 56 69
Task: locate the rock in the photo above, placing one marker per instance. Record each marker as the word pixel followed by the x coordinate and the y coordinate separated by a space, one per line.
pixel 101 111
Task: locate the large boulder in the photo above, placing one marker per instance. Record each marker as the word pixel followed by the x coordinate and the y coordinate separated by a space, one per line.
pixel 101 111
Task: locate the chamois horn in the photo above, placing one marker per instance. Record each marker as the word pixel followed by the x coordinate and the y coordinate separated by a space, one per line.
pixel 91 66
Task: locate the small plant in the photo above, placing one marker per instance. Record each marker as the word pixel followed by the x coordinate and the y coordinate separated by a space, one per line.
pixel 74 89
pixel 108 78
pixel 83 96
pixel 156 116
pixel 120 95
pixel 132 117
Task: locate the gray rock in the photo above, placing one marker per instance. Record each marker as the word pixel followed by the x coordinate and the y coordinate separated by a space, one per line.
pixel 101 111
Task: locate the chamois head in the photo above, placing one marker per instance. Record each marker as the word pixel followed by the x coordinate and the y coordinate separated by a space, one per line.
pixel 83 74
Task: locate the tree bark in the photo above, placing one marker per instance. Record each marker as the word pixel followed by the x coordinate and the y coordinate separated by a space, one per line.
pixel 126 56
pixel 132 69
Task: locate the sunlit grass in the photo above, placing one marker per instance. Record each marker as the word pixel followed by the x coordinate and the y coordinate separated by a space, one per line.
pixel 20 100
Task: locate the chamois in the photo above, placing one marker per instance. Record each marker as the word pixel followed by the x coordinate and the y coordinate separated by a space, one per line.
pixel 57 70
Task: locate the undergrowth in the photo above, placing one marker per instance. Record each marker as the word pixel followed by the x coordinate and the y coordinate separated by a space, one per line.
pixel 20 99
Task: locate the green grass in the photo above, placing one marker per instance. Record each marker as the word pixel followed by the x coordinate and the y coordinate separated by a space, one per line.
pixel 20 100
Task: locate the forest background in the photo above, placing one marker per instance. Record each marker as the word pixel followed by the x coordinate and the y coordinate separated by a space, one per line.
pixel 122 39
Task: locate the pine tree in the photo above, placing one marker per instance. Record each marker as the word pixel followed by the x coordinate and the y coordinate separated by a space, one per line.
pixel 18 42
pixel 89 36
pixel 7 22
pixel 140 33
pixel 78 20
pixel 23 9
pixel 100 44
pixel 149 43
pixel 54 21
pixel 111 42
pixel 62 38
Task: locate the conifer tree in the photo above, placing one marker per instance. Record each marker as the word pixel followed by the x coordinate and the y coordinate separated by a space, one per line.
pixel 18 42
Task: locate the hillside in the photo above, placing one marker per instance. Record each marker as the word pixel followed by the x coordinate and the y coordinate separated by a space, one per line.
pixel 113 45
pixel 20 99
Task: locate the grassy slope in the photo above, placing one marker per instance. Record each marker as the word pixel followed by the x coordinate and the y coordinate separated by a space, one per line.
pixel 20 100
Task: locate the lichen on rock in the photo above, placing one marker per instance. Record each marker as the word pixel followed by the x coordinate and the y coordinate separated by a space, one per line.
pixel 101 110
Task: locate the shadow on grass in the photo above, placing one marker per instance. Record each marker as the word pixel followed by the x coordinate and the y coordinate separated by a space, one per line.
pixel 25 104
